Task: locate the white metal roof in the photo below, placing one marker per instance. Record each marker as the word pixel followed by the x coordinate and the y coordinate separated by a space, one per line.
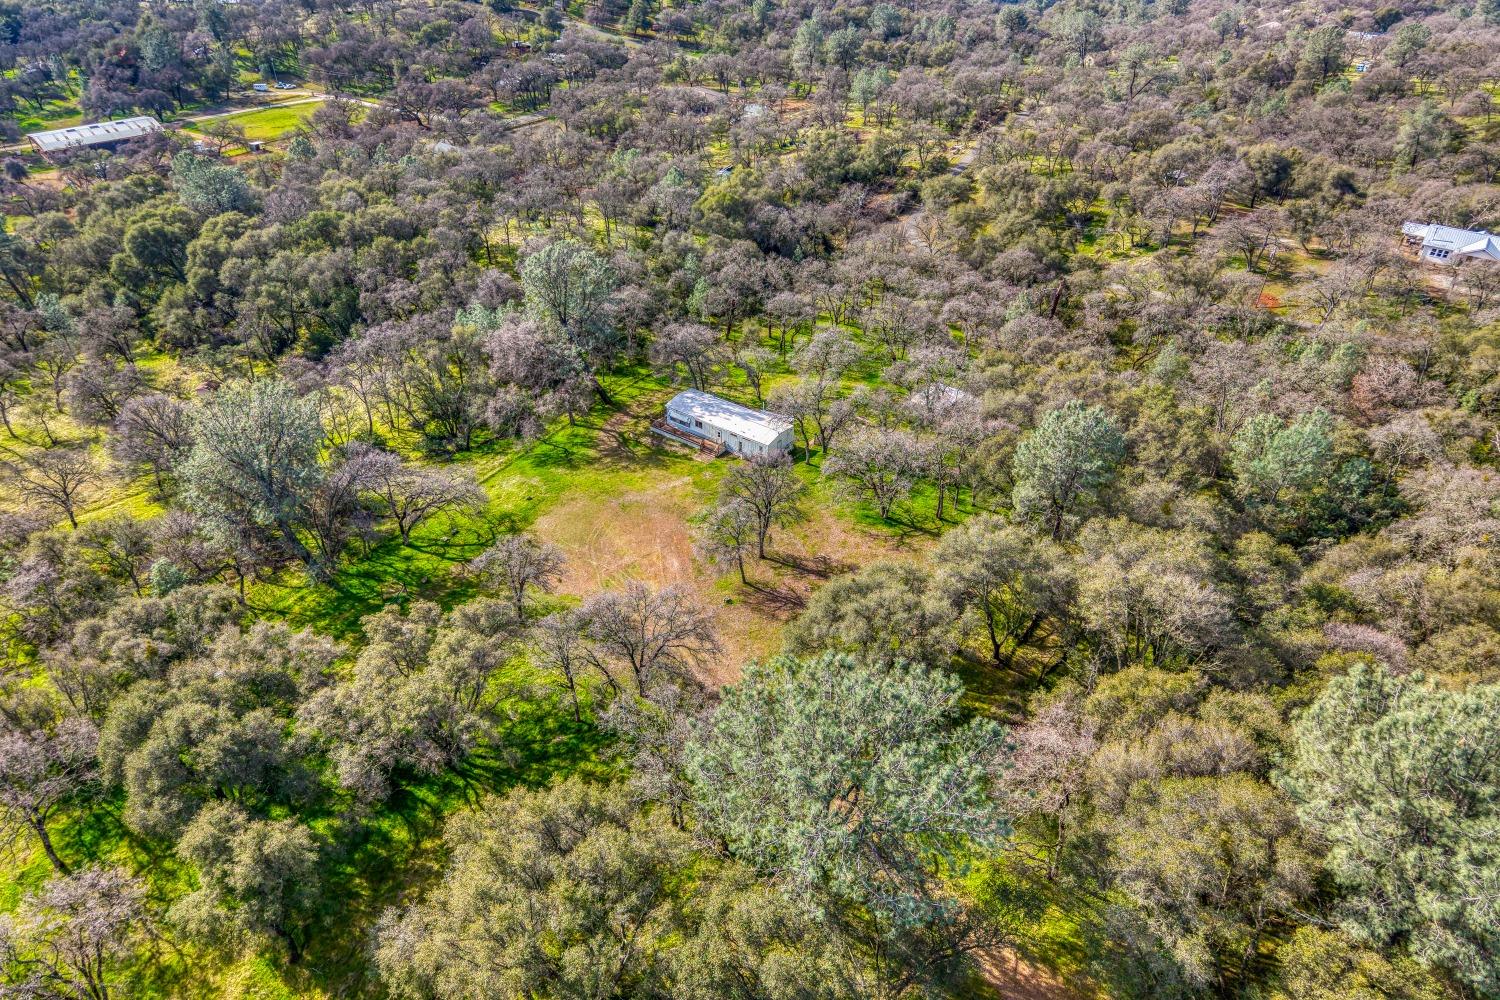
pixel 943 393
pixel 76 136
pixel 752 425
pixel 1448 237
pixel 1487 247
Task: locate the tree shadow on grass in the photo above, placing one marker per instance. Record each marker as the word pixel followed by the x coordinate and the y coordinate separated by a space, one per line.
pixel 390 573
pixel 904 525
pixel 97 832
pixel 818 565
pixel 990 690
pixel 555 452
pixel 774 601
pixel 386 855
pixel 900 524
pixel 626 450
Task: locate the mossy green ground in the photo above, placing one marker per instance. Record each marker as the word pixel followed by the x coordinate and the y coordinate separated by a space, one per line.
pixel 267 124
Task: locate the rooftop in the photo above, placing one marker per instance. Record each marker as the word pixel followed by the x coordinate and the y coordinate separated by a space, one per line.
pixel 78 136
pixel 1433 234
pixel 942 394
pixel 752 425
pixel 1467 242
pixel 1487 246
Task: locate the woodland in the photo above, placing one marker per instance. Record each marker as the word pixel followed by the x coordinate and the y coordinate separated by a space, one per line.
pixel 1125 622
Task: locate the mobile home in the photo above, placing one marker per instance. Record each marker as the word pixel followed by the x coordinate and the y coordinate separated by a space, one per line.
pixel 701 418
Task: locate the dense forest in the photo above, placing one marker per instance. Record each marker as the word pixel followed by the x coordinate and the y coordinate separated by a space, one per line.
pixel 1124 623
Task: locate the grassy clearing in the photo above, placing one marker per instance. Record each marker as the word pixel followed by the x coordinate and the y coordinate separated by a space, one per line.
pixel 267 124
pixel 54 114
pixel 621 503
pixel 58 111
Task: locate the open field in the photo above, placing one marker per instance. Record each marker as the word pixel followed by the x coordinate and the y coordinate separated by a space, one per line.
pixel 266 124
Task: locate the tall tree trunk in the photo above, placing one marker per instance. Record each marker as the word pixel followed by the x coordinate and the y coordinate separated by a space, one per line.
pixel 573 694
pixel 994 633
pixel 603 392
pixel 289 536
pixel 40 827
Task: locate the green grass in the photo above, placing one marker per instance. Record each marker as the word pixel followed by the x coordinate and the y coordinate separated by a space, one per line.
pixel 601 457
pixel 266 124
pixel 606 466
pixel 56 114
pixel 1055 925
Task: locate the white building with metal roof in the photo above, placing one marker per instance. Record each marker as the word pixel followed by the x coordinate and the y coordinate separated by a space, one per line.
pixel 702 416
pixel 1449 245
pixel 108 133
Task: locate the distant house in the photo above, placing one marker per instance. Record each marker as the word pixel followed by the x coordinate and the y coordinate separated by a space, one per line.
pixel 936 402
pixel 716 426
pixel 941 395
pixel 1447 245
pixel 104 135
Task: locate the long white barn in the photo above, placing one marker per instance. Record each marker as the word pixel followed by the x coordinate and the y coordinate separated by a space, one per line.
pixel 702 416
pixel 105 133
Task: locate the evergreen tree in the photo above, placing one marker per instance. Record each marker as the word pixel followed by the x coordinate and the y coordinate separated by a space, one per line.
pixel 848 780
pixel 1063 464
pixel 1402 779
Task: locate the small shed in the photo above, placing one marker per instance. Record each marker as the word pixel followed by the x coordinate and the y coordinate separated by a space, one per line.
pixel 701 418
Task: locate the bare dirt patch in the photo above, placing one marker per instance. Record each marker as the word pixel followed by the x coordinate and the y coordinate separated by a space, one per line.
pixel 647 535
pixel 1014 978
pixel 635 536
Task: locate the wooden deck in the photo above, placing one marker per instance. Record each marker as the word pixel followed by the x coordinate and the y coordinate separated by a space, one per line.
pixel 708 448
